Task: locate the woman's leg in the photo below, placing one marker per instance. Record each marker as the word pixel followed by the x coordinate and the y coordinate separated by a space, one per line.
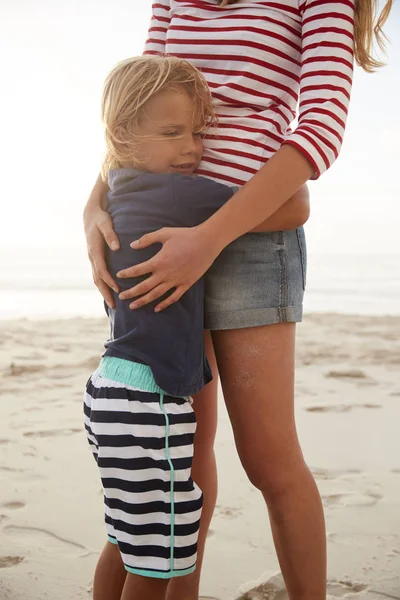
pixel 204 473
pixel 110 574
pixel 256 367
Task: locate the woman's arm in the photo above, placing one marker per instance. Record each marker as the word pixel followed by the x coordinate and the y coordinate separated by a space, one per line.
pixel 98 228
pixel 160 20
pixel 325 87
pixel 291 215
pixel 282 176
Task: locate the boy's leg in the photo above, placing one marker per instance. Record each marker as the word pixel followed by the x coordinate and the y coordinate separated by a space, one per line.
pixel 123 474
pixel 110 574
pixel 144 588
pixel 204 473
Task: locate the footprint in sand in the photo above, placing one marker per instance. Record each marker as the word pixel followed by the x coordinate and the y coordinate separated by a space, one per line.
pixel 33 356
pixel 10 561
pixel 333 474
pixel 17 370
pixel 337 408
pixel 351 374
pixel 42 538
pixel 10 469
pixel 274 589
pixel 52 432
pixel 349 499
pixel 12 505
pixel 63 348
pixel 348 589
pixel 10 390
pixel 227 511
pixel 332 408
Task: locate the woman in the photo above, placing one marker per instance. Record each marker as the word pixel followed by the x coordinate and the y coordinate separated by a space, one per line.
pixel 258 58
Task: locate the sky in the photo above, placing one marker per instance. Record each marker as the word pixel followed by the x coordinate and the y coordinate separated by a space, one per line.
pixel 54 58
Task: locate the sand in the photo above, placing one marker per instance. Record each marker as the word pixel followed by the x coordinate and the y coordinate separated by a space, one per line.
pixel 348 414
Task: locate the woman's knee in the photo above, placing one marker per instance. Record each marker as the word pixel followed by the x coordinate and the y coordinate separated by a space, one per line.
pixel 277 475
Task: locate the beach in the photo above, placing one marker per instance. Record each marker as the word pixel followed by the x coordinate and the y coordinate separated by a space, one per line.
pixel 348 414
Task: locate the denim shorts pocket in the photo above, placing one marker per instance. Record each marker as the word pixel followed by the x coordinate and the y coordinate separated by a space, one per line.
pixel 301 240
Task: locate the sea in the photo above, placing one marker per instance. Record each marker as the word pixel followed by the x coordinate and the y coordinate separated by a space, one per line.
pixel 56 283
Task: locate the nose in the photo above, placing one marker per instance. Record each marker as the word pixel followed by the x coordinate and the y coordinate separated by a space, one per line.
pixel 189 144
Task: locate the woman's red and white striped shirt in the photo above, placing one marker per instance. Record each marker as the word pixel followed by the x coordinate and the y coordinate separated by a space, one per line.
pixel 263 60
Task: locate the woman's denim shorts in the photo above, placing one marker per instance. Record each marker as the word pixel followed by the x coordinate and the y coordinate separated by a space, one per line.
pixel 259 279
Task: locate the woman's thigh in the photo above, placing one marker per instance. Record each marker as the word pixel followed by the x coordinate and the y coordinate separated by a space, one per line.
pixel 256 367
pixel 257 280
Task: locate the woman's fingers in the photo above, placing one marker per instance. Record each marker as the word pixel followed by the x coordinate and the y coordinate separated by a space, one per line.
pixel 99 267
pixel 105 226
pixel 96 255
pixel 137 270
pixel 142 288
pixel 102 274
pixel 155 237
pixel 154 294
pixel 105 292
pixel 174 297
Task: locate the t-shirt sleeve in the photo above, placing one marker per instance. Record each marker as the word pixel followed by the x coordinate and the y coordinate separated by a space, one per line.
pixel 196 199
pixel 159 23
pixel 325 81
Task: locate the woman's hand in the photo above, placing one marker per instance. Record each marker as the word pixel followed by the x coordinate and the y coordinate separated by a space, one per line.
pixel 99 229
pixel 186 255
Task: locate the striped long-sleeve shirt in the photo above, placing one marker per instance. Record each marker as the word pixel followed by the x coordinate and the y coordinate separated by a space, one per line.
pixel 263 61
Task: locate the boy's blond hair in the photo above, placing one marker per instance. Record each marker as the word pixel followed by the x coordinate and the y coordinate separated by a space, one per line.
pixel 130 85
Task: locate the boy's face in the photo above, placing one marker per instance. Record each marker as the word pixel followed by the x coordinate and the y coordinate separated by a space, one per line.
pixel 167 139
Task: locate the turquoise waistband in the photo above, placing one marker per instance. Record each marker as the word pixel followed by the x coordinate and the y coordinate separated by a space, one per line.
pixel 130 373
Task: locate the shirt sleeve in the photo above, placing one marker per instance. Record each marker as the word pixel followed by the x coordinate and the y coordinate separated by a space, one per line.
pixel 325 80
pixel 159 23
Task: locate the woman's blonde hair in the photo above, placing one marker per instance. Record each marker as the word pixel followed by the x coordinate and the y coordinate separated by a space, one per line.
pixel 368 24
pixel 128 88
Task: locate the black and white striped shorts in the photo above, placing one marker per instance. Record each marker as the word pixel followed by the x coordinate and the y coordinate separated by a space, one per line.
pixel 143 445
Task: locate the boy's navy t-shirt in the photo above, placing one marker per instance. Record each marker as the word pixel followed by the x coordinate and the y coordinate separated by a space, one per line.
pixel 170 342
